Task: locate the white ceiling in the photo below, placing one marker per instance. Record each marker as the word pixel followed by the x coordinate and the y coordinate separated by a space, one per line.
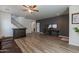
pixel 45 11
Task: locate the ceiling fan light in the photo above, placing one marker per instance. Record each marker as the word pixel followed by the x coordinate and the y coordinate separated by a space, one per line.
pixel 30 11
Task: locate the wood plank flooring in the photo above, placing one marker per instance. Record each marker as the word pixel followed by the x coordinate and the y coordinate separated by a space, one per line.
pixel 37 43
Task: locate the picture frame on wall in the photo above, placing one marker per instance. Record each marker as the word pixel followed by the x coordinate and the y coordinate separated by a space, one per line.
pixel 75 18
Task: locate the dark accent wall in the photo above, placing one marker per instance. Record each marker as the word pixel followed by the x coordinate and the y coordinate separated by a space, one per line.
pixel 62 22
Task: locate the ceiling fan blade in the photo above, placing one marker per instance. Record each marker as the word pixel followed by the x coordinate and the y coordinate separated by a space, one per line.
pixel 24 6
pixel 34 6
pixel 36 10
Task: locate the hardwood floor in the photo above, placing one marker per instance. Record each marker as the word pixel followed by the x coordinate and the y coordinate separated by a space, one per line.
pixel 37 43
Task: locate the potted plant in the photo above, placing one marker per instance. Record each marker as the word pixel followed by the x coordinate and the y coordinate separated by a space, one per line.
pixel 76 29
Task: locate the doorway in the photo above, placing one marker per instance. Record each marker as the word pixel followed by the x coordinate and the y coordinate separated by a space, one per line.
pixel 38 27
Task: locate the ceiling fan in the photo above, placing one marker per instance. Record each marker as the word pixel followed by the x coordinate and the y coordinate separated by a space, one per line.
pixel 30 8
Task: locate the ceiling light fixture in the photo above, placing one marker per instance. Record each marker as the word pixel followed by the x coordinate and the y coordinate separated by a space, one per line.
pixel 30 8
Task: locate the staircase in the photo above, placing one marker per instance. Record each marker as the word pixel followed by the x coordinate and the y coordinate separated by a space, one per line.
pixel 18 29
pixel 16 23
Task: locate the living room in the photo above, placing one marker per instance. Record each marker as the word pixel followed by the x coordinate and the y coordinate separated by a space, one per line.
pixel 38 28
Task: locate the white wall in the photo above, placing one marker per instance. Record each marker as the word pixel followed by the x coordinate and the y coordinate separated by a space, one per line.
pixel 5 24
pixel 26 23
pixel 73 36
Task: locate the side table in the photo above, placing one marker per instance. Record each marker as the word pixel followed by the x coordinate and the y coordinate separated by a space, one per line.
pixel 3 40
pixel 0 43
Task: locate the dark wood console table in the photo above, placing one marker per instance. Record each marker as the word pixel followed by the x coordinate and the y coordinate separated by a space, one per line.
pixel 19 32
